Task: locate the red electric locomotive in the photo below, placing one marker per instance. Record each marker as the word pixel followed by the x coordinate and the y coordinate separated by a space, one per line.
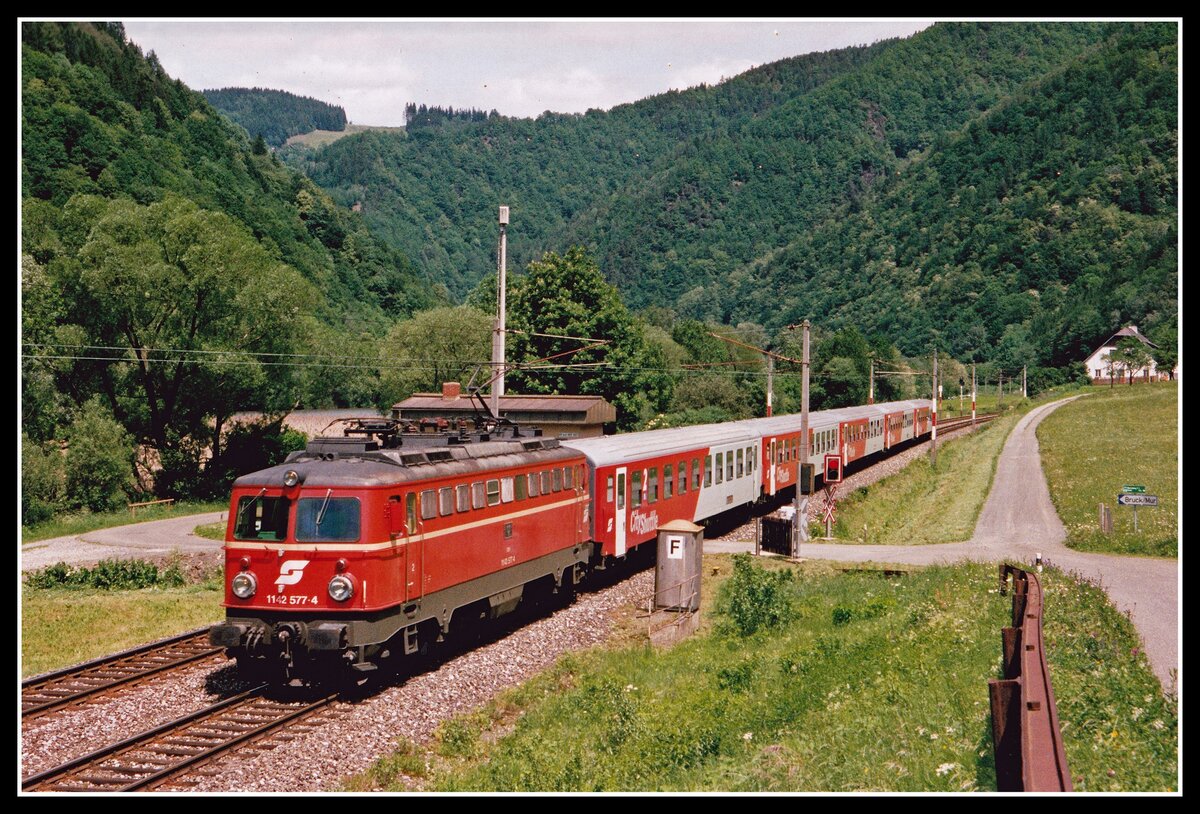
pixel 361 548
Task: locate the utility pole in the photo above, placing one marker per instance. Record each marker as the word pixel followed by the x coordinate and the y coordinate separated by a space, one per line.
pixel 770 383
pixel 1024 381
pixel 871 390
pixel 800 519
pixel 972 393
pixel 1000 390
pixel 933 438
pixel 498 350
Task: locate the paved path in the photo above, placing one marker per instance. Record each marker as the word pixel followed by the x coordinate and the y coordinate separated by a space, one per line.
pixel 150 539
pixel 1018 521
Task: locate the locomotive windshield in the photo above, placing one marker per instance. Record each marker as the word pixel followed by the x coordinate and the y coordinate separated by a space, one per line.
pixel 327 519
pixel 262 518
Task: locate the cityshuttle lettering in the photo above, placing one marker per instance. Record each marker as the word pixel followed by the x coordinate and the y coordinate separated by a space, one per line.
pixel 643 523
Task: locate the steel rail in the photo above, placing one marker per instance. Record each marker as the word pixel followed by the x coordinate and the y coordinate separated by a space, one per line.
pixel 51 691
pixel 154 757
pixel 1026 736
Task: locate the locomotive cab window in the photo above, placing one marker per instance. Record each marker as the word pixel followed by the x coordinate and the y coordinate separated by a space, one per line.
pixel 328 519
pixel 262 518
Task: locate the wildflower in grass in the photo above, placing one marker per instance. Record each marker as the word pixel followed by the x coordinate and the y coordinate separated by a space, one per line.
pixel 946 768
pixel 749 736
pixel 933 736
pixel 1137 713
pixel 1158 725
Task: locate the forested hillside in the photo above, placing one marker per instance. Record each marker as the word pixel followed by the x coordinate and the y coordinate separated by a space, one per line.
pixel 1005 190
pixel 276 115
pixel 434 189
pixel 173 275
pixel 1024 238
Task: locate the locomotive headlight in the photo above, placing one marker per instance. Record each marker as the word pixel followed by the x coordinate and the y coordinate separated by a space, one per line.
pixel 341 588
pixel 244 585
pixel 291 477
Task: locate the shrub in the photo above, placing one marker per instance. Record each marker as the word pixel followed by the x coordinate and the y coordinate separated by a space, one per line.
pixel 99 459
pixel 755 598
pixel 107 575
pixel 42 482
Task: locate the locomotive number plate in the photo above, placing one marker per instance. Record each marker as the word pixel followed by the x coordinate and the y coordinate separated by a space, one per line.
pixel 279 599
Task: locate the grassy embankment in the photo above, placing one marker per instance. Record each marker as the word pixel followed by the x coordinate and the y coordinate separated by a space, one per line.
pixel 1117 436
pixel 82 522
pixel 876 683
pixel 64 626
pixel 922 504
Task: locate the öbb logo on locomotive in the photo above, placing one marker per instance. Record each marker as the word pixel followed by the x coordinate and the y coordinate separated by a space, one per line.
pixel 402 538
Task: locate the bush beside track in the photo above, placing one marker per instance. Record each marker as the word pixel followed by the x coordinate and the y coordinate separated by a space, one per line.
pixel 863 682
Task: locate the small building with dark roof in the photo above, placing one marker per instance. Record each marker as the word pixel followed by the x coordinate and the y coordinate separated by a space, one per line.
pixel 557 416
pixel 1102 367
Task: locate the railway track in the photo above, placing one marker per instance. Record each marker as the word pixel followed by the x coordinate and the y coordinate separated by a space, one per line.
pixel 158 757
pixel 87 681
pixel 959 423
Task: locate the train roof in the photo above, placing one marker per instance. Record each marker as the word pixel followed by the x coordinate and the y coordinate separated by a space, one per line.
pixel 616 449
pixel 353 463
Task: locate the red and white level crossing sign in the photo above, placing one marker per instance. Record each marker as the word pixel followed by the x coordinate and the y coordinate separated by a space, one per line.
pixel 830 509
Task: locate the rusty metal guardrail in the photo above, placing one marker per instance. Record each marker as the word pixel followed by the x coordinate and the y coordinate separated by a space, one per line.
pixel 1025 731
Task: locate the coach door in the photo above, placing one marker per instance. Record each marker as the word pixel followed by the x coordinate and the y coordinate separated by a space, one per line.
pixel 771 464
pixel 619 525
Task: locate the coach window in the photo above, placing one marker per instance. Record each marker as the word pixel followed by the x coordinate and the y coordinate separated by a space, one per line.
pixel 608 489
pixel 653 490
pixel 740 463
pixel 706 462
pixel 478 495
pixel 446 500
pixel 695 473
pixel 521 483
pixel 683 477
pixel 506 490
pixel 750 456
pixel 556 479
pixel 720 467
pixel 464 497
pixel 493 492
pixel 635 499
pixel 621 491
pixel 668 481
pixel 729 465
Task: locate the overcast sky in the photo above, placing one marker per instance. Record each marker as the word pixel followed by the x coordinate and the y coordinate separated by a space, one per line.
pixel 372 69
